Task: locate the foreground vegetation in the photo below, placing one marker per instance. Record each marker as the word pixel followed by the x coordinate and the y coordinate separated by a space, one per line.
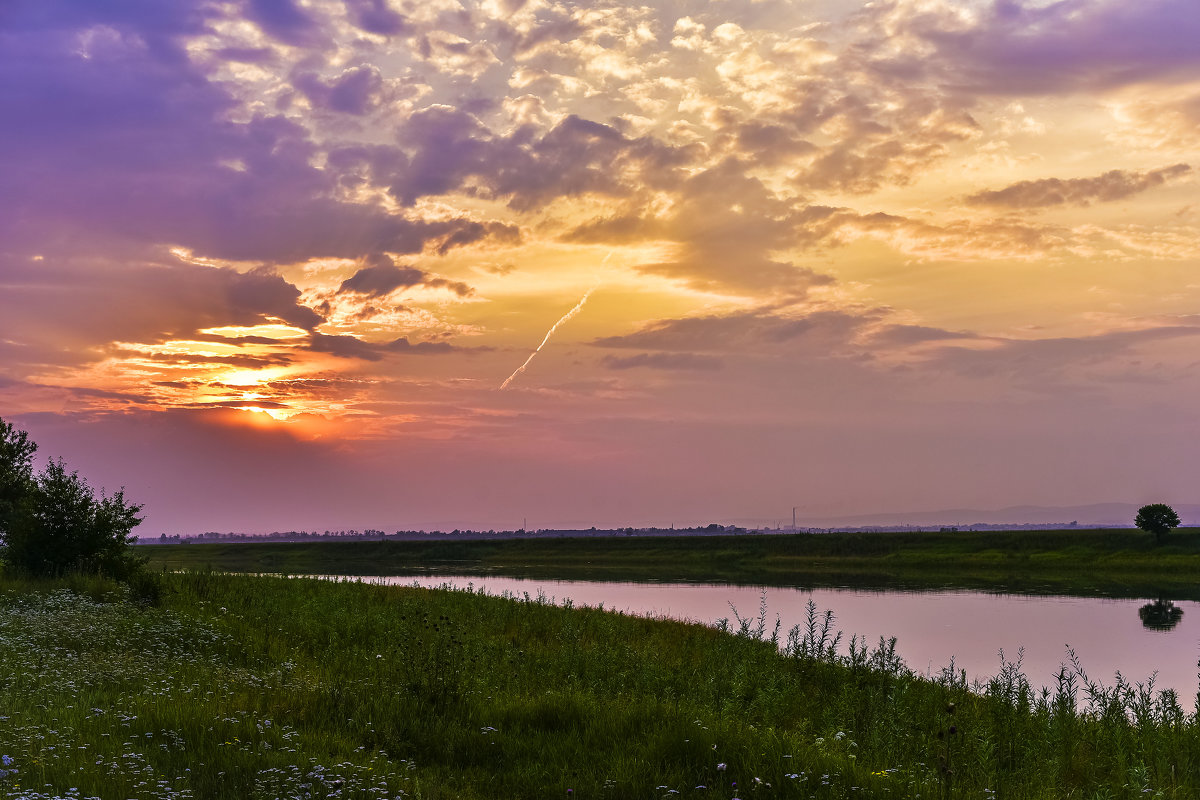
pixel 1118 563
pixel 266 687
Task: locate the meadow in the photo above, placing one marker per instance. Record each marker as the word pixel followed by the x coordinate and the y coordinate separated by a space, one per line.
pixel 1106 562
pixel 238 686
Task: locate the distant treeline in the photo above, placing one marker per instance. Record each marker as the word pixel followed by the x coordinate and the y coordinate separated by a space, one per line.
pixel 373 535
pixel 713 529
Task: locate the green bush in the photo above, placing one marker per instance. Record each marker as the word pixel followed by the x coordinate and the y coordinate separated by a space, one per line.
pixel 52 523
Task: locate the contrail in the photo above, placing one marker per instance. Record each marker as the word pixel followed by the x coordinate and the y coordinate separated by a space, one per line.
pixel 549 333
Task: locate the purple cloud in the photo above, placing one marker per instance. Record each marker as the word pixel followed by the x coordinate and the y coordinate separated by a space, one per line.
pixel 821 332
pixel 125 139
pixel 68 312
pixel 383 277
pixel 1018 48
pixel 357 91
pixel 352 347
pixel 285 21
pixel 577 156
pixel 376 17
pixel 1112 185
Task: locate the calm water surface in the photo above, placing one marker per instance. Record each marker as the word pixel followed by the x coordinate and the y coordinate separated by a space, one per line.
pixel 931 627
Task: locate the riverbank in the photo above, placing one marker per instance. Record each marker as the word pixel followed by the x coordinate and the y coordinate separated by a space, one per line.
pixel 241 687
pixel 1105 562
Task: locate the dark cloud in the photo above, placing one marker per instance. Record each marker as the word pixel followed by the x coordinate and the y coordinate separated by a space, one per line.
pixel 68 310
pixel 344 346
pixel 904 335
pixel 402 345
pixel 264 404
pixel 383 277
pixel 262 293
pixel 453 150
pixel 876 148
pixel 663 361
pixel 957 239
pixel 376 16
pixel 862 168
pixel 466 232
pixel 1015 47
pixel 458 287
pixel 113 135
pixel 818 333
pixel 356 91
pixel 98 394
pixel 867 343
pixel 1112 185
pixel 353 347
pixel 768 143
pixel 547 31
pixel 1081 363
pixel 286 21
pixel 241 361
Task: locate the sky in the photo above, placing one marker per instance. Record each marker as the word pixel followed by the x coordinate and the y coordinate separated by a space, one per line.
pixel 275 264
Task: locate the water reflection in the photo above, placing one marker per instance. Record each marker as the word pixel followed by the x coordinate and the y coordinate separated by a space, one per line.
pixel 1161 615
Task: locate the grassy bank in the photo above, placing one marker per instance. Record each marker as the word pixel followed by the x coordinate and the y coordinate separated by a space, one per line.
pixel 1120 563
pixel 244 687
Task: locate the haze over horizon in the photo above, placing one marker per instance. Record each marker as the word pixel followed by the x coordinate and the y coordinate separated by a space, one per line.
pixel 268 263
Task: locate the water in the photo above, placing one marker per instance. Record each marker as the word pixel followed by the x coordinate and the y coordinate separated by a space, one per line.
pixel 931 628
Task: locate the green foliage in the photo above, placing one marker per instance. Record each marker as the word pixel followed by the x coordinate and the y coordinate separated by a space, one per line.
pixel 261 687
pixel 1158 519
pixel 16 475
pixel 52 523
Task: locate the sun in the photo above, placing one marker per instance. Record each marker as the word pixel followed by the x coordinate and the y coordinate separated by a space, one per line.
pixel 251 377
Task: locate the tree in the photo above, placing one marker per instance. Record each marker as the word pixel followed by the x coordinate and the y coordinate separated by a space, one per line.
pixel 16 474
pixel 1158 519
pixel 52 523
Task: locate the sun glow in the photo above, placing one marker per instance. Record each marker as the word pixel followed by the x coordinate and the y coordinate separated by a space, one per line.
pixel 268 331
pixel 252 377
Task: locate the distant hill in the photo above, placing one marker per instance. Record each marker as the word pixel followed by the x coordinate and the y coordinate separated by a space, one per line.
pixel 1096 514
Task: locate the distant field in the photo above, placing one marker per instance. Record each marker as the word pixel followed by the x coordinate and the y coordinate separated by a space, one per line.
pixel 1107 562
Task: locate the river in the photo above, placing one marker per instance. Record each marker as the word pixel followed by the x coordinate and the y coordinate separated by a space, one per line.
pixel 931 628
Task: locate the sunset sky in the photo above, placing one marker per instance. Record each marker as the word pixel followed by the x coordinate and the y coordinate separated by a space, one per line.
pixel 268 263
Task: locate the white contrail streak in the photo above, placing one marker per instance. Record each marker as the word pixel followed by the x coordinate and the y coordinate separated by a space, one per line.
pixel 549 333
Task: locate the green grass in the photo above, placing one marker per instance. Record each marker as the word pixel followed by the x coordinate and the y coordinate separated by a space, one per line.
pixel 1119 563
pixel 266 687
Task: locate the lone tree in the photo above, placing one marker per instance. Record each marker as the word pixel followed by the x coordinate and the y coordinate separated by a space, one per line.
pixel 52 523
pixel 1158 519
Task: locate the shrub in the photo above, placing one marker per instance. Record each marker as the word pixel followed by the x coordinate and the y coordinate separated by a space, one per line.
pixel 52 523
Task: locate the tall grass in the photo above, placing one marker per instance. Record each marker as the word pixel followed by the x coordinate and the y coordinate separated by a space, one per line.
pixel 263 687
